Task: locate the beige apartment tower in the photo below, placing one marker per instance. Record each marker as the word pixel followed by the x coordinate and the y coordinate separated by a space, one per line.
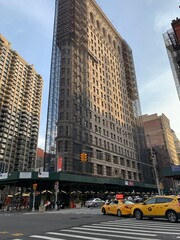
pixel 20 104
pixel 159 136
pixel 93 99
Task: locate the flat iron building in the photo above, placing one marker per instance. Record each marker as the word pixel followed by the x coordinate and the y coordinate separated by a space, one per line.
pixel 20 105
pixel 93 97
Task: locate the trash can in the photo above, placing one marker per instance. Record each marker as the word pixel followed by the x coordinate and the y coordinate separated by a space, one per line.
pixel 42 208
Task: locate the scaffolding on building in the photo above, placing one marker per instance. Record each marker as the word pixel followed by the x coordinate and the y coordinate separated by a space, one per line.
pixel 173 51
pixel 53 102
pixel 70 27
pixel 138 129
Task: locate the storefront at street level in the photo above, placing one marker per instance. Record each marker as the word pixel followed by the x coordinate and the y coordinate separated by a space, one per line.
pixel 66 186
pixel 173 173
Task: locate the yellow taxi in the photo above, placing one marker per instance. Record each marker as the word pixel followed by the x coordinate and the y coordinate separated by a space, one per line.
pixel 158 206
pixel 118 207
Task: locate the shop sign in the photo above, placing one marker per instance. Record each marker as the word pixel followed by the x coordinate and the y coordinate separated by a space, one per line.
pixel 25 175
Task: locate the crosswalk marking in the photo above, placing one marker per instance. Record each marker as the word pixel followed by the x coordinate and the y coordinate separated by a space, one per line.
pixel 140 223
pixel 136 227
pixel 128 229
pixel 77 236
pixel 102 229
pixel 107 235
pixel 165 225
pixel 48 238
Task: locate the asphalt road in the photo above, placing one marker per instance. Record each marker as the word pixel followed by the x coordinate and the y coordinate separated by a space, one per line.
pixel 17 225
pixel 84 223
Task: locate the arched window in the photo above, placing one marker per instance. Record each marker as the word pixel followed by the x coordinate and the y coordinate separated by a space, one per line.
pixel 119 50
pixel 104 32
pixel 98 25
pixel 114 44
pixel 91 17
pixel 109 38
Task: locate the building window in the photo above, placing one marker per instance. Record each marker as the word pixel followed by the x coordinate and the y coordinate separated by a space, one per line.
pixel 108 171
pixel 129 175
pixel 91 17
pixel 99 154
pixel 128 163
pixel 121 161
pixel 60 146
pixel 107 157
pixel 60 131
pixel 115 159
pixel 99 169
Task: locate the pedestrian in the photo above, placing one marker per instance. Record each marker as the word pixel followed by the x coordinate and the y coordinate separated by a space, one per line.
pixel 47 204
pixel 52 204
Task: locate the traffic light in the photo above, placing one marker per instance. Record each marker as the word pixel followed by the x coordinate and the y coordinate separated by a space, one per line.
pixel 34 186
pixel 83 157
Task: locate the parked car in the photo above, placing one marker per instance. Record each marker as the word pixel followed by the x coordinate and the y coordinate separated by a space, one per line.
pixel 158 206
pixel 94 202
pixel 118 207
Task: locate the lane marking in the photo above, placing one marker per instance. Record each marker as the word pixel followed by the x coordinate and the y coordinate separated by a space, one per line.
pixel 17 234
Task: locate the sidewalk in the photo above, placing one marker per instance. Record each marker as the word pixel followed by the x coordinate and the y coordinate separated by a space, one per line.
pixel 37 211
pixel 82 210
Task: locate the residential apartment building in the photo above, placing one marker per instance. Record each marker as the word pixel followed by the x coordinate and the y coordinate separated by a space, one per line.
pixel 172 42
pixel 20 104
pixel 177 144
pixel 159 136
pixel 93 100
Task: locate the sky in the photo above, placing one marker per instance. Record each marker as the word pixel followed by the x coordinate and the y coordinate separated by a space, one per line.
pixel 28 26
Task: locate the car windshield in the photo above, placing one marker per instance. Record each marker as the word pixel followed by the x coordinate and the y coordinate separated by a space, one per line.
pixel 128 202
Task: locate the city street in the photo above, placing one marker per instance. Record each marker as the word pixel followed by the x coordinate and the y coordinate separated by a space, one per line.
pixel 84 223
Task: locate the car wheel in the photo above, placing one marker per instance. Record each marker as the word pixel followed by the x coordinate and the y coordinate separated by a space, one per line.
pixel 138 214
pixel 119 213
pixel 104 211
pixel 172 216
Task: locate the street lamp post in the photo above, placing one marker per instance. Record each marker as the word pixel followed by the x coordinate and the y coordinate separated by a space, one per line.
pixel 33 205
pixel 56 188
pixel 34 196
